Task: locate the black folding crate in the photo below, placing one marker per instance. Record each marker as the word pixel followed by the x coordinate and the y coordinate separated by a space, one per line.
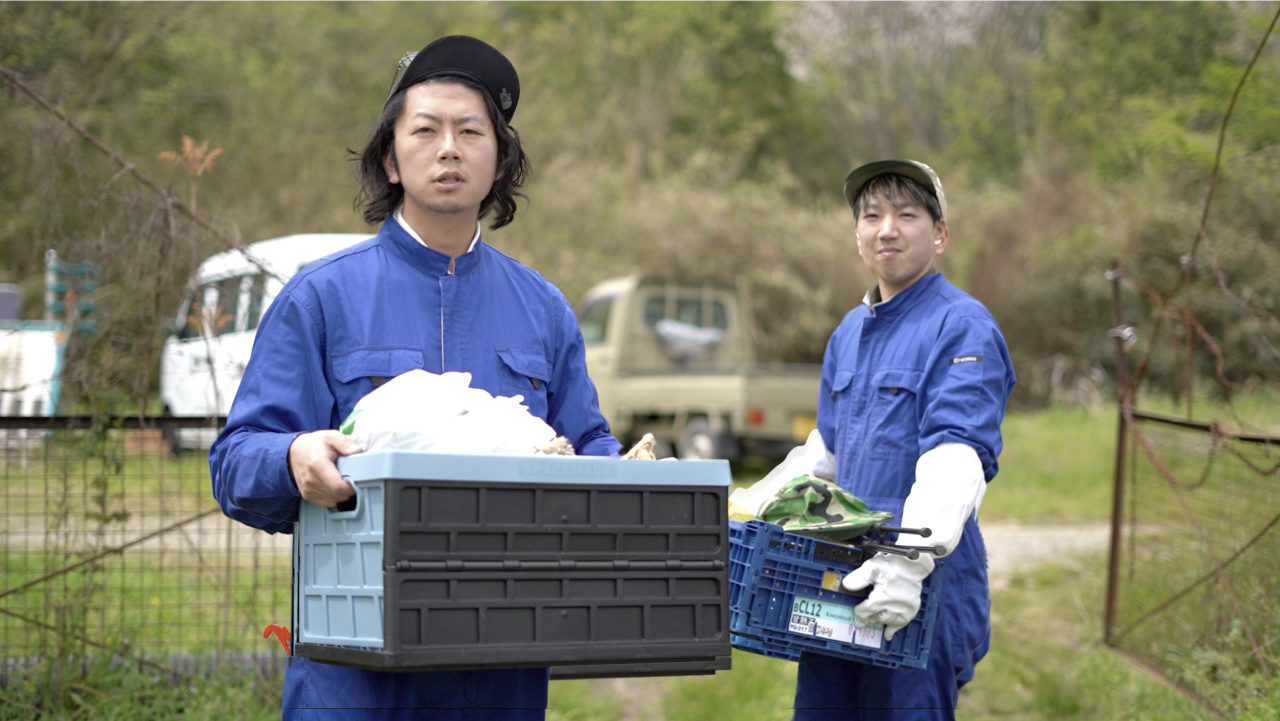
pixel 452 562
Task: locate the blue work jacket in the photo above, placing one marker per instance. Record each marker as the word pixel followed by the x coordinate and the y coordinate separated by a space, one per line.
pixel 376 310
pixel 899 378
pixel 928 366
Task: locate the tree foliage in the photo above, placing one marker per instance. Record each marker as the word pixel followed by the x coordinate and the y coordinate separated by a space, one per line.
pixel 712 137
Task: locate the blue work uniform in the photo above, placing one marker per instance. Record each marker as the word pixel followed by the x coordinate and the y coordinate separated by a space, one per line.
pixel 928 366
pixel 369 313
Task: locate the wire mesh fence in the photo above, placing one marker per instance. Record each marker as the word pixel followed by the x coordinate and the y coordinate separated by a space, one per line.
pixel 113 545
pixel 1196 567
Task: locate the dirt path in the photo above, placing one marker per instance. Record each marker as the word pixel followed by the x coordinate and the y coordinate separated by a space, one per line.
pixel 1011 547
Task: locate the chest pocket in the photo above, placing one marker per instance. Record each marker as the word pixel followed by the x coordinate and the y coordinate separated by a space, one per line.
pixel 358 371
pixel 841 397
pixel 840 384
pixel 893 415
pixel 525 372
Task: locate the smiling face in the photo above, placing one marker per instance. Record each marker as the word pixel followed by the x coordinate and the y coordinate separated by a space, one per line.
pixel 898 244
pixel 445 156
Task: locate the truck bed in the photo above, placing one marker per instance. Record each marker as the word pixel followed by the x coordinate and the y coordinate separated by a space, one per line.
pixel 766 401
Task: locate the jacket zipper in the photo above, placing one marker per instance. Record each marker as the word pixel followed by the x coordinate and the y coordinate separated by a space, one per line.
pixel 447 272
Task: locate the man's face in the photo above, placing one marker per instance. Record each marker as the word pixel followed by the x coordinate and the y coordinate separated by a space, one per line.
pixel 898 244
pixel 446 152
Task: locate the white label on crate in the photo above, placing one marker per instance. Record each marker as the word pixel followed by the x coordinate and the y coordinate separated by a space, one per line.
pixel 822 619
pixel 869 636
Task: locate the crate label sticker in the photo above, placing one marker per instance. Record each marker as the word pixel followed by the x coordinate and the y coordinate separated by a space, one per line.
pixel 869 636
pixel 823 619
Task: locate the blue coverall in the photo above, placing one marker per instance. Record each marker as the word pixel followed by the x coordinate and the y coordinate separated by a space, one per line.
pixel 376 310
pixel 927 367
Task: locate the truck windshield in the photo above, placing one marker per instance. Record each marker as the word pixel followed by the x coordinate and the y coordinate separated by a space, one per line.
pixel 686 310
pixel 594 320
pixel 217 306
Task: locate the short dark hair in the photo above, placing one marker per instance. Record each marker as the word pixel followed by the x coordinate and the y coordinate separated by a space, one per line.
pixel 900 191
pixel 378 197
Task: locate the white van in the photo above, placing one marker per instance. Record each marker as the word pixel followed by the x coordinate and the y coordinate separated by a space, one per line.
pixel 206 353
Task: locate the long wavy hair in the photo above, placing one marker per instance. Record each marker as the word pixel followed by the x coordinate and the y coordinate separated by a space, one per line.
pixel 378 197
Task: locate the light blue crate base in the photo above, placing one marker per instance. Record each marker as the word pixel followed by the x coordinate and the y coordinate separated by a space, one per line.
pixel 340 576
pixel 340 557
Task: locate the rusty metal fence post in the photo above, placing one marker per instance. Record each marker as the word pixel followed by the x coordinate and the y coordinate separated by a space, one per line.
pixel 1122 334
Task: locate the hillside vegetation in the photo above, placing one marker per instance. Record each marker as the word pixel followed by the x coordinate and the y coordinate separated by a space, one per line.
pixel 711 138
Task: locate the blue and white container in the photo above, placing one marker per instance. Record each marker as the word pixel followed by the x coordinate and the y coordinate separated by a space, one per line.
pixel 785 598
pixel 450 561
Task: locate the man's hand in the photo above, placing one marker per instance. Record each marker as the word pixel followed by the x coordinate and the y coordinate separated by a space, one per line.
pixel 895 600
pixel 313 459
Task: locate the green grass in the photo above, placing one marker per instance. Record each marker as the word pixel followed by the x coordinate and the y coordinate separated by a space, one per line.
pixel 582 701
pixel 136 484
pixel 756 688
pixel 1057 466
pixel 157 602
pixel 1047 661
pixel 122 694
pixel 1254 412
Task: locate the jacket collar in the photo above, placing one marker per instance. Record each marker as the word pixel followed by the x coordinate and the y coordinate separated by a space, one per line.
pixel 903 301
pixel 407 248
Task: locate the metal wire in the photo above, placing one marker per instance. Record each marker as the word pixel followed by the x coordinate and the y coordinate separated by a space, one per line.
pixel 113 544
pixel 1201 550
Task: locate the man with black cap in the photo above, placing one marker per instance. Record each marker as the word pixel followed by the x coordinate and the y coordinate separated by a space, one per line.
pixel 914 386
pixel 427 293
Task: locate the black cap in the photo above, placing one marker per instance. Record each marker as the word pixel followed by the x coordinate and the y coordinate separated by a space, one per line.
pixel 463 57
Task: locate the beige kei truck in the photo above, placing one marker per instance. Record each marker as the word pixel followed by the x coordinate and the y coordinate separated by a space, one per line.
pixel 677 359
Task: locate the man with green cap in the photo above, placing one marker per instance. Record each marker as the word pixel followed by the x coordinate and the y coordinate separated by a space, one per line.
pixel 425 293
pixel 914 387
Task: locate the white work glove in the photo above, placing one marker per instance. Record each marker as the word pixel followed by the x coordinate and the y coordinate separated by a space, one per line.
pixel 948 490
pixel 812 458
pixel 895 600
pixel 825 467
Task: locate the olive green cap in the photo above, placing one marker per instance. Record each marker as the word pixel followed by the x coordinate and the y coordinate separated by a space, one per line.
pixel 915 170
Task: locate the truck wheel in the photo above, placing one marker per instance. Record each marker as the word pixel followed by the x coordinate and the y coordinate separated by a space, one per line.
pixel 662 448
pixel 697 442
pixel 170 436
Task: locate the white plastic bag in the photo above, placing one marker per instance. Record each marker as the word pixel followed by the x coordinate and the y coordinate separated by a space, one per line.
pixel 812 458
pixel 422 411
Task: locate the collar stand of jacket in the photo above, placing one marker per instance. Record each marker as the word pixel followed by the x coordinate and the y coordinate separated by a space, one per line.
pixel 407 248
pixel 904 300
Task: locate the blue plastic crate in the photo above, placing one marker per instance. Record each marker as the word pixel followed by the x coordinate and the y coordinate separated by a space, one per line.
pixel 765 648
pixel 782 594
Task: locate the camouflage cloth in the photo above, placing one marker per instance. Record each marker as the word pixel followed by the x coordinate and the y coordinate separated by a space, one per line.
pixel 811 506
